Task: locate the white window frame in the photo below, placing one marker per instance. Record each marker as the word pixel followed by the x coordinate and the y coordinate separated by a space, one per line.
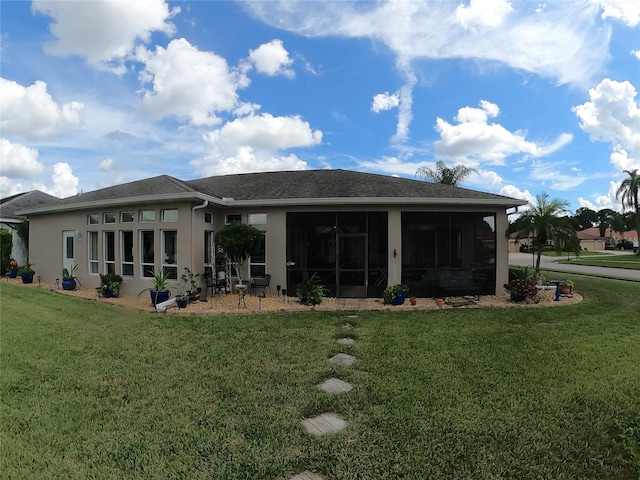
pixel 142 214
pixel 259 264
pixel 123 255
pixel 165 215
pixel 145 267
pixel 227 218
pixel 166 265
pixel 122 214
pixel 105 253
pixel 93 216
pixel 94 263
pixel 114 218
pixel 257 218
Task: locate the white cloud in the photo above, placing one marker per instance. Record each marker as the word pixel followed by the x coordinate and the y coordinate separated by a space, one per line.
pixel 385 101
pixel 187 82
pixel 63 182
pixel 556 175
pixel 628 11
pixel 603 201
pixel 19 161
pixel 636 53
pixel 559 42
pixel 475 139
pixel 391 165
pixel 30 112
pixel 272 59
pixel 514 192
pixel 104 32
pixel 253 143
pixel 9 187
pixel 108 165
pixel 483 13
pixel 612 115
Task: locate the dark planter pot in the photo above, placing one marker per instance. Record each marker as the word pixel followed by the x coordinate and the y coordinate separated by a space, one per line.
pixel 27 278
pixel 516 297
pixel 108 293
pixel 68 284
pixel 13 273
pixel 399 299
pixel 182 302
pixel 159 297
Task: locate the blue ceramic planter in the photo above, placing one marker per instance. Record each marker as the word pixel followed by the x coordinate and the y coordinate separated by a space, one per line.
pixel 68 284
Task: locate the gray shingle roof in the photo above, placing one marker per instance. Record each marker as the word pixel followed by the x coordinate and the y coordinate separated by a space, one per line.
pixel 33 199
pixel 305 184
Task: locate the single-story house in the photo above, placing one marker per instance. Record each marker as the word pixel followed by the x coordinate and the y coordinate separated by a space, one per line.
pixel 590 239
pixel 358 231
pixel 10 219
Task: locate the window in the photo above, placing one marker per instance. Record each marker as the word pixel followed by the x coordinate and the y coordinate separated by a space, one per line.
pixel 209 247
pixel 94 219
pixel 147 215
pixel 126 254
pixel 258 259
pixel 257 219
pixel 170 253
pixel 109 218
pixel 109 252
pixel 147 257
pixel 208 217
pixel 234 218
pixel 92 241
pixel 170 215
pixel 126 217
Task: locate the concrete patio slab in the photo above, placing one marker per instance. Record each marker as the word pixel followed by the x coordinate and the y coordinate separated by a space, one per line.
pixel 343 359
pixel 307 475
pixel 323 424
pixel 346 341
pixel 335 385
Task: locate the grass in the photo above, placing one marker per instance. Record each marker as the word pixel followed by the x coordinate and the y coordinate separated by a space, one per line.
pixel 629 261
pixel 93 391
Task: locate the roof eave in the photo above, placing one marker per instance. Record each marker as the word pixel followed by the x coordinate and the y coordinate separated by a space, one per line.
pixel 144 199
pixel 506 203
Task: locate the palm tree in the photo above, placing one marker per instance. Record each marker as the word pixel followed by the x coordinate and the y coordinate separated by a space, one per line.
pixel 444 174
pixel 543 222
pixel 629 190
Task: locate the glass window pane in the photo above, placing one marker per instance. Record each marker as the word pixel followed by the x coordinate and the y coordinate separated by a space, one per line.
pixel 109 218
pixel 257 219
pixel 94 219
pixel 126 217
pixel 170 215
pixel 147 215
pixel 147 247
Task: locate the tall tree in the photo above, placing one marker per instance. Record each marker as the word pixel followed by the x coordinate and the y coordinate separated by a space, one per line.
pixel 605 220
pixel 445 174
pixel 585 218
pixel 545 220
pixel 629 193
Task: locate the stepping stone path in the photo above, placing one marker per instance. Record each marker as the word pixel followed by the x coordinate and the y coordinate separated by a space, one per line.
pixel 330 422
pixel 307 475
pixel 325 423
pixel 335 385
pixel 343 359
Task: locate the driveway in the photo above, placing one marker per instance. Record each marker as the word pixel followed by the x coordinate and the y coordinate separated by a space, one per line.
pixel 523 259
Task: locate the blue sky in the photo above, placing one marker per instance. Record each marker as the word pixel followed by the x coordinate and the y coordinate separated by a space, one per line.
pixel 536 96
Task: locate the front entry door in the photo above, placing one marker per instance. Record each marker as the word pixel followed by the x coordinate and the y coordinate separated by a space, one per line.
pixel 68 249
pixel 352 265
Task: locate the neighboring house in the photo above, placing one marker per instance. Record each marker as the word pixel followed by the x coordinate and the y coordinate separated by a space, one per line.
pixel 358 231
pixel 611 237
pixel 590 239
pixel 10 219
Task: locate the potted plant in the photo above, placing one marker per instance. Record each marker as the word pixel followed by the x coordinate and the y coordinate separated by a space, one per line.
pixel 110 285
pixel 522 284
pixel 13 269
pixel 27 272
pixel 182 300
pixel 188 277
pixel 159 291
pixel 566 287
pixel 69 278
pixel 395 294
pixel 413 300
pixel 310 290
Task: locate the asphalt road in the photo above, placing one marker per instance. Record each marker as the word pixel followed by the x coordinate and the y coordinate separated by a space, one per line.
pixel 550 263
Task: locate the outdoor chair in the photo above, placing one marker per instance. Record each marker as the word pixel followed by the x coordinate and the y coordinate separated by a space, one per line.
pixel 216 284
pixel 261 283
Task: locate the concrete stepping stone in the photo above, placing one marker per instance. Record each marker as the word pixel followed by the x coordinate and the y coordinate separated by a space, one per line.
pixel 347 326
pixel 343 359
pixel 335 385
pixel 346 341
pixel 323 424
pixel 307 475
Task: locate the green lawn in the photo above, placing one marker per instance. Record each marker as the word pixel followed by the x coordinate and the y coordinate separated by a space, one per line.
pixel 614 261
pixel 94 391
